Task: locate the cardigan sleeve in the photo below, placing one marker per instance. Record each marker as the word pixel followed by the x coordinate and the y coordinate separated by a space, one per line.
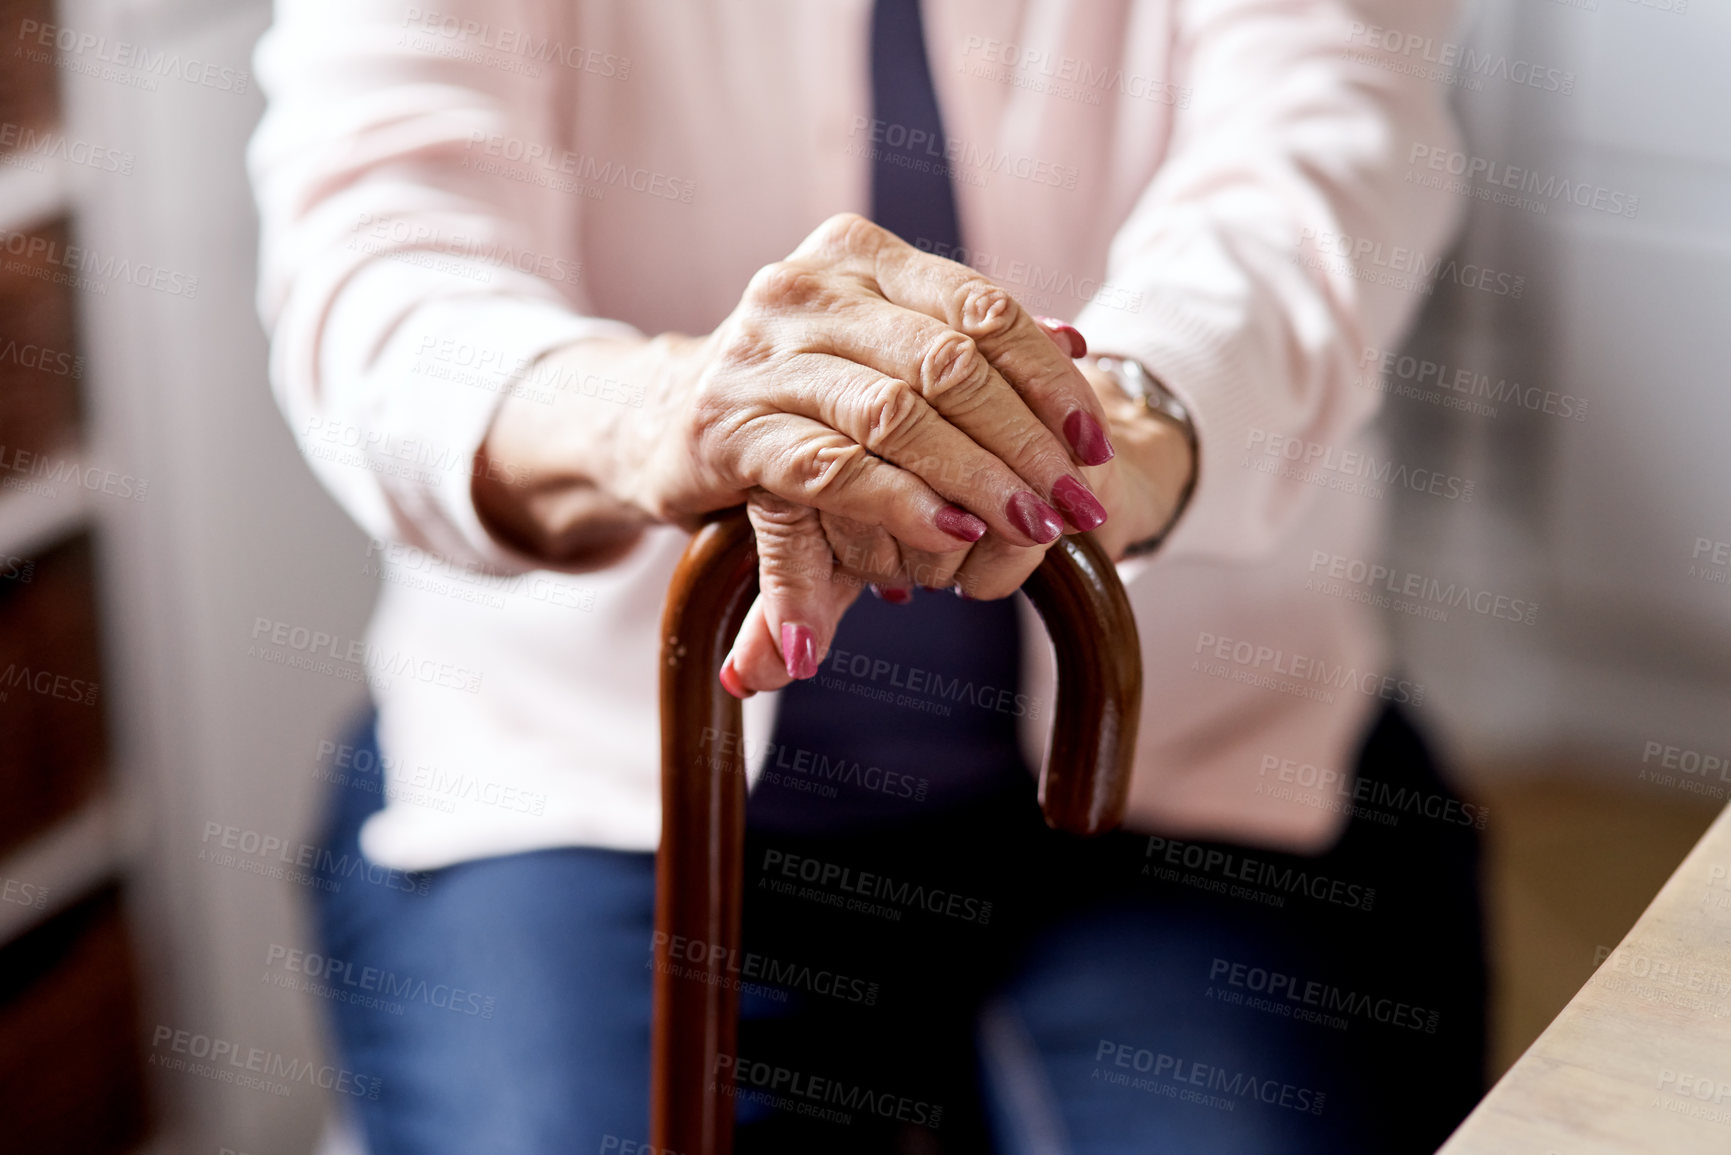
pixel 1279 239
pixel 417 246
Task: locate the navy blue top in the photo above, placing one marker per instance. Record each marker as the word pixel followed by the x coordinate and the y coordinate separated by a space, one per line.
pixel 916 706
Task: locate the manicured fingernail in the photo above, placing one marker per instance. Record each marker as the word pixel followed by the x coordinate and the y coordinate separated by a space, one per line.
pixel 799 650
pixel 1034 518
pixel 894 595
pixel 1087 438
pixel 959 523
pixel 731 683
pixel 1067 335
pixel 1081 507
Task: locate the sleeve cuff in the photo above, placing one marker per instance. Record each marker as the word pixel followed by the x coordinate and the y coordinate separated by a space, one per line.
pixel 437 383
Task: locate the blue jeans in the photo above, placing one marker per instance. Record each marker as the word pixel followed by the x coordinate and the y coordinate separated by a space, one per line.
pixel 964 981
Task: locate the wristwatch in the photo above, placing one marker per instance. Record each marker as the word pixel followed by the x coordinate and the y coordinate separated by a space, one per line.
pixel 1137 383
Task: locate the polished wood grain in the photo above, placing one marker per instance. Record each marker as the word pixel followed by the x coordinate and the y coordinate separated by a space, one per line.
pixel 699 870
pixel 1640 1059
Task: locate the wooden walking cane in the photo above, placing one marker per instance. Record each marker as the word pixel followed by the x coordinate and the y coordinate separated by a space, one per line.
pixel 700 869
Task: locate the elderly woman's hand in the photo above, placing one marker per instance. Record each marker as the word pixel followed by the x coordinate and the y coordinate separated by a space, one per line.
pixel 886 416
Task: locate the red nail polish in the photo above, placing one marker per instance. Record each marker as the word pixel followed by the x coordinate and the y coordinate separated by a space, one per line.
pixel 798 650
pixel 1067 335
pixel 731 683
pixel 1081 507
pixel 1087 438
pixel 1034 518
pixel 959 523
pixel 894 595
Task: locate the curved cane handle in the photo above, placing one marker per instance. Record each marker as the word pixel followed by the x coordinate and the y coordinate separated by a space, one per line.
pixel 699 871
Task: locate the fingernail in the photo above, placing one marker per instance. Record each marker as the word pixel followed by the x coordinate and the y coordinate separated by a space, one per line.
pixel 959 523
pixel 894 595
pixel 799 650
pixel 1067 335
pixel 1081 507
pixel 731 683
pixel 1087 438
pixel 1034 518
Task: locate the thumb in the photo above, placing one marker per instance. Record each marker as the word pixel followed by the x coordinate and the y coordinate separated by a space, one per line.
pixel 801 598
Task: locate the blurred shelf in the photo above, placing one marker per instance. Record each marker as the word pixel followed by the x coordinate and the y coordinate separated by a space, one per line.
pixel 30 520
pixel 63 865
pixel 32 190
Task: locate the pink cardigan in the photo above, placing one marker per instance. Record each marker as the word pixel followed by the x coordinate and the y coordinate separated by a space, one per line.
pixel 1217 187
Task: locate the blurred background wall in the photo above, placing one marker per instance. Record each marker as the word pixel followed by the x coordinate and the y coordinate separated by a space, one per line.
pixel 1601 507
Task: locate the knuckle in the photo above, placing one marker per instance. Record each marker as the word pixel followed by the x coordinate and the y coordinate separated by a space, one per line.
pixel 749 342
pixel 784 285
pixel 845 232
pixel 869 556
pixel 986 309
pixel 933 571
pixel 778 515
pixel 890 410
pixel 792 554
pixel 1003 577
pixel 953 365
pixel 818 468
